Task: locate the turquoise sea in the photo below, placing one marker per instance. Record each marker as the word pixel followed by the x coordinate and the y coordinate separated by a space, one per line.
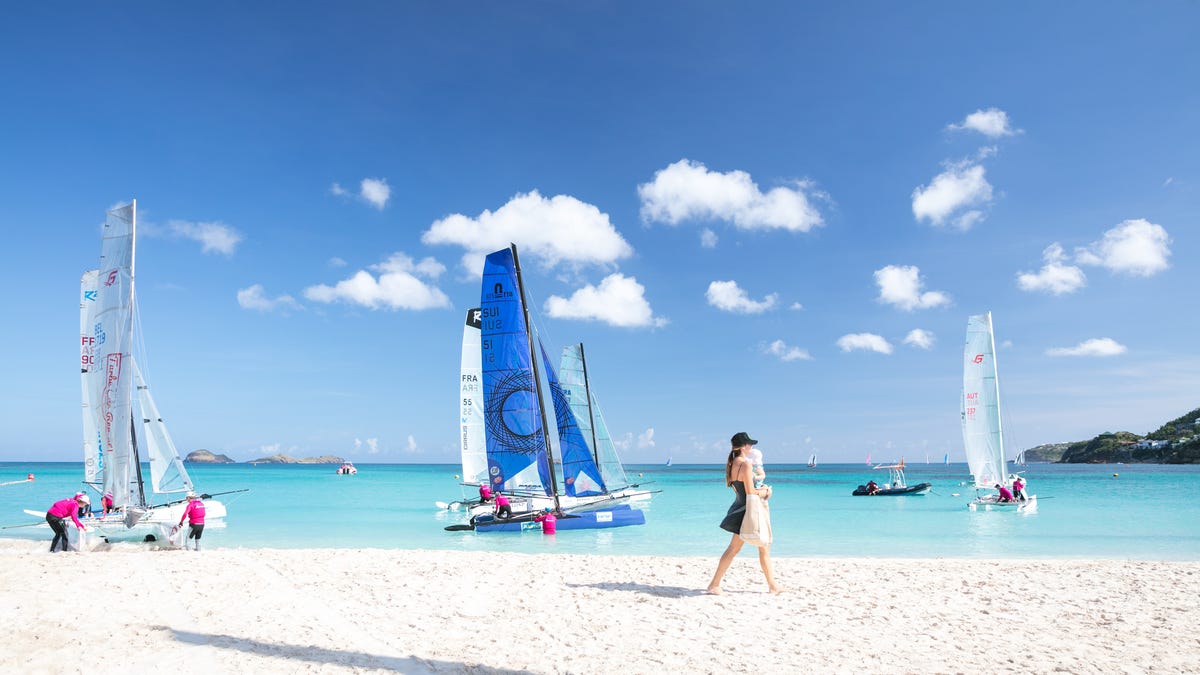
pixel 1145 512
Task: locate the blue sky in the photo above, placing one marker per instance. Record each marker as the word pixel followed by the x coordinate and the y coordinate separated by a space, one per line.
pixel 772 217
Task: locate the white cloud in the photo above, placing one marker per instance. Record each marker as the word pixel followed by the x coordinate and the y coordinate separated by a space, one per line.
pixel 901 286
pixel 949 196
pixel 708 238
pixel 785 353
pixel 336 262
pixel 396 287
pixel 618 301
pixel 1136 247
pixel 646 438
pixel 867 341
pixel 372 445
pixel 213 237
pixel 559 229
pixel 375 191
pixel 796 307
pixel 992 123
pixel 1055 277
pixel 255 297
pixel 411 445
pixel 727 296
pixel 1093 347
pixel 920 338
pixel 687 190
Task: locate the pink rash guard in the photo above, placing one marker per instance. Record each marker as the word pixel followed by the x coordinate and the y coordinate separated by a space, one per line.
pixel 194 513
pixel 64 508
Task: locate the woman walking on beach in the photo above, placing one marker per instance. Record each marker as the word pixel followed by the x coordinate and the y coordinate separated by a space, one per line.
pixel 194 514
pixel 739 475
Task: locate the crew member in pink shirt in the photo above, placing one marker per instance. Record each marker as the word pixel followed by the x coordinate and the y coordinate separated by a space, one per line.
pixel 106 503
pixel 194 514
pixel 485 493
pixel 503 509
pixel 548 520
pixel 1005 494
pixel 57 517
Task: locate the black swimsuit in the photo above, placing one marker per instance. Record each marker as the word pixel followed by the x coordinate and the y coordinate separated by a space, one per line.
pixel 737 510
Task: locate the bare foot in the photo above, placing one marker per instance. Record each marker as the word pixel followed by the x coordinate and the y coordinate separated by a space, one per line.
pixel 776 590
pixel 714 590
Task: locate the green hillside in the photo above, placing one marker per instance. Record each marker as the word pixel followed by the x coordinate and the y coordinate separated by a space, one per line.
pixel 1175 442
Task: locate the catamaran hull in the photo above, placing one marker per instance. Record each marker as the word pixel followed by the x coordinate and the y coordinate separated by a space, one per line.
pixel 540 503
pixel 919 489
pixel 154 526
pixel 990 503
pixel 621 515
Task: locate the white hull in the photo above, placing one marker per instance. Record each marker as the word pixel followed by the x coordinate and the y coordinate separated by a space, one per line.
pixel 991 503
pixel 576 504
pixel 156 523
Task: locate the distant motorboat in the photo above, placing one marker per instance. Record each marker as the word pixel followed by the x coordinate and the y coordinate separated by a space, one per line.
pixel 897 486
pixel 347 469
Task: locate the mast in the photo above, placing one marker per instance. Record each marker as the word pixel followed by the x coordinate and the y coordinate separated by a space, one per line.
pixel 587 391
pixel 536 376
pixel 137 462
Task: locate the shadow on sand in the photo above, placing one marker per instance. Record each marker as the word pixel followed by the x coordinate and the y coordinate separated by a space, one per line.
pixel 660 591
pixel 336 657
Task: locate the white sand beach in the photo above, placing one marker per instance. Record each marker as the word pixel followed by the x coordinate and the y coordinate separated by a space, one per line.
pixel 243 610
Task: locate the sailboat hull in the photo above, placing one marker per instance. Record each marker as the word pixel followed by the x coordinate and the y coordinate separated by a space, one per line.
pixel 620 515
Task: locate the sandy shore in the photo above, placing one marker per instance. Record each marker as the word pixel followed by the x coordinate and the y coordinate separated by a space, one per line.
pixel 437 611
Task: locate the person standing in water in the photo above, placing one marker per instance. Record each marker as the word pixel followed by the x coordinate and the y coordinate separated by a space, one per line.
pixel 57 515
pixel 194 514
pixel 739 475
pixel 548 520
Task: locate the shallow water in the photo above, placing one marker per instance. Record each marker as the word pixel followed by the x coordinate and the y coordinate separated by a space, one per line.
pixel 1147 513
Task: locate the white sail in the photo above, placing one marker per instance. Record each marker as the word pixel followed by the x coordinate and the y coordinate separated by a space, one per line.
pixel 474 446
pixel 112 331
pixel 573 376
pixel 983 438
pixel 92 459
pixel 167 474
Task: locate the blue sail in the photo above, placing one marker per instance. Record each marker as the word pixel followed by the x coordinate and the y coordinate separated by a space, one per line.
pixel 516 441
pixel 581 477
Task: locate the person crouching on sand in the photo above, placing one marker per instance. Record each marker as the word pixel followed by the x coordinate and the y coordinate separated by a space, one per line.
pixel 56 516
pixel 739 475
pixel 194 514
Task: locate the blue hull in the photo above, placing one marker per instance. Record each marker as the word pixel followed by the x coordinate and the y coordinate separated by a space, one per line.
pixel 618 516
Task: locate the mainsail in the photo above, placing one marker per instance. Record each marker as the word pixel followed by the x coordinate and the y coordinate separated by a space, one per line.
pixel 576 386
pixel 581 477
pixel 983 438
pixel 92 457
pixel 474 448
pixel 516 440
pixel 112 333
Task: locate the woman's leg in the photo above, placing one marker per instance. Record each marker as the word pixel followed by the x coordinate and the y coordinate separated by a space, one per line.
pixel 764 559
pixel 731 551
pixel 60 532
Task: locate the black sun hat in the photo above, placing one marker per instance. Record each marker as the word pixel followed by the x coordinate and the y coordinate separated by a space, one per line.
pixel 742 438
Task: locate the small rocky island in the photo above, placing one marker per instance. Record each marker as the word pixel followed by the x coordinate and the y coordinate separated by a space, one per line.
pixel 206 457
pixel 287 459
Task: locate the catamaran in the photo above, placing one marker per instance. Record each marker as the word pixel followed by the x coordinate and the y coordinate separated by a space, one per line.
pixel 111 377
pixel 507 395
pixel 983 437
